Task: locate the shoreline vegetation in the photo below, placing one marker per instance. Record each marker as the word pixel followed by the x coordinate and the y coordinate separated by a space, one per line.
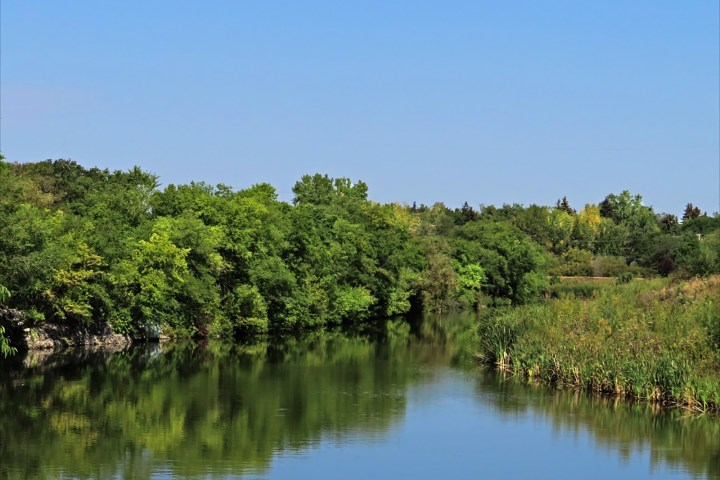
pixel 651 340
pixel 86 252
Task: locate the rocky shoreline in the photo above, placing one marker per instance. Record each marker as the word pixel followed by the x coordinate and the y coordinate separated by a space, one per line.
pixel 54 337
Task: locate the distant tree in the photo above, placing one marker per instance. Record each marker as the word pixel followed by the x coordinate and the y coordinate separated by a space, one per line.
pixel 345 188
pixel 610 238
pixel 534 220
pixel 467 213
pixel 700 255
pixel 663 254
pixel 560 226
pixel 564 205
pixel 317 190
pixel 703 224
pixel 668 223
pixel 94 247
pixel 488 212
pixel 637 223
pixel 691 212
pixel 151 283
pixel 63 180
pixel 323 190
pixel 621 207
pixel 513 265
pixel 439 282
pixel 437 220
pixel 582 235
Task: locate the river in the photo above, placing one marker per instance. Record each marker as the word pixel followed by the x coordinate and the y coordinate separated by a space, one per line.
pixel 402 401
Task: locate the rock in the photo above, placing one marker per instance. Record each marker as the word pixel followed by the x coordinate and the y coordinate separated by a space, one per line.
pixel 54 337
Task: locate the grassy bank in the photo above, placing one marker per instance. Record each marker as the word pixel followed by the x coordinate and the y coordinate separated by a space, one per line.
pixel 654 340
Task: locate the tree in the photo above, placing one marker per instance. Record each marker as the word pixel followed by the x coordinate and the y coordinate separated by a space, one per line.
pixel 621 208
pixel 5 348
pixel 513 264
pixel 638 222
pixel 702 225
pixel 439 282
pixel 700 255
pixel 663 254
pixel 564 206
pixel 75 282
pixel 668 223
pixel 535 222
pixel 149 285
pixel 200 293
pixel 560 230
pixel 471 280
pixel 87 246
pixel 467 213
pixel 691 212
pixel 323 190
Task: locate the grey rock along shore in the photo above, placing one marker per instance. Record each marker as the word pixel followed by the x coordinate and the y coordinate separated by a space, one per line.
pixel 55 337
pixel 52 337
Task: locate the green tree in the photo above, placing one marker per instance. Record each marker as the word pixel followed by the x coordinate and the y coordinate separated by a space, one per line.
pixel 638 221
pixel 691 212
pixel 5 348
pixel 514 265
pixel 149 286
pixel 564 205
pixel 323 190
pixel 439 282
pixel 668 223
pixel 471 280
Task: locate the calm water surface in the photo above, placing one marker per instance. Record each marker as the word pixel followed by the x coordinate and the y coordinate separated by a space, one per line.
pixel 402 402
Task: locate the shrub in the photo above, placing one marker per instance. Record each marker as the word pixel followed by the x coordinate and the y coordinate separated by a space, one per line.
pixel 624 277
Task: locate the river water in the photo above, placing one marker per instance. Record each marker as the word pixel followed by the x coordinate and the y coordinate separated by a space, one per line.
pixel 402 401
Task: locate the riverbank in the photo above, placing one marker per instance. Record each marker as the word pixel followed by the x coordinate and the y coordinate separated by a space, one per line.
pixel 53 337
pixel 652 340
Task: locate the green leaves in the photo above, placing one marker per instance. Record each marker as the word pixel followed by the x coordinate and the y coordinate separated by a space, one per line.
pixel 150 282
pixel 84 245
pixel 323 190
pixel 5 348
pixel 353 303
pixel 4 294
pixel 506 257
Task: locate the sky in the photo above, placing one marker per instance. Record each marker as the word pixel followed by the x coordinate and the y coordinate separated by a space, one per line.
pixel 452 101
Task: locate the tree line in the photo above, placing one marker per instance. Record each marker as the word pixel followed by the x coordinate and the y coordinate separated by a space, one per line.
pixel 85 246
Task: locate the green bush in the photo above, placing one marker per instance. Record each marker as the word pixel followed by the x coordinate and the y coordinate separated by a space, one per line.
pixel 624 277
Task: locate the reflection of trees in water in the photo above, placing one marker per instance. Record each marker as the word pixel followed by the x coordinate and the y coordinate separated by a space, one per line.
pixel 219 408
pixel 674 437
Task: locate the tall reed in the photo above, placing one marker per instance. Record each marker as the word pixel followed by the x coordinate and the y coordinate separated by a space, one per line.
pixel 653 340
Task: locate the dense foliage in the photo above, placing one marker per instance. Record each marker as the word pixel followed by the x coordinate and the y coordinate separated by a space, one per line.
pixel 88 246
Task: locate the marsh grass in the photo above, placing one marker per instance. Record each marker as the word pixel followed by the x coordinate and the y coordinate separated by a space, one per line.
pixel 653 340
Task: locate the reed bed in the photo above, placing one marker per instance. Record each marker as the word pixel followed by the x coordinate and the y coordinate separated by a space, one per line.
pixel 655 340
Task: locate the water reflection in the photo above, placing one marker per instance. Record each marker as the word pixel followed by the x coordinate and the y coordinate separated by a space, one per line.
pixel 675 438
pixel 214 409
pixel 227 408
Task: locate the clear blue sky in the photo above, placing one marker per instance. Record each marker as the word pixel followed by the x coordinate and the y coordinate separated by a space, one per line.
pixel 489 102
